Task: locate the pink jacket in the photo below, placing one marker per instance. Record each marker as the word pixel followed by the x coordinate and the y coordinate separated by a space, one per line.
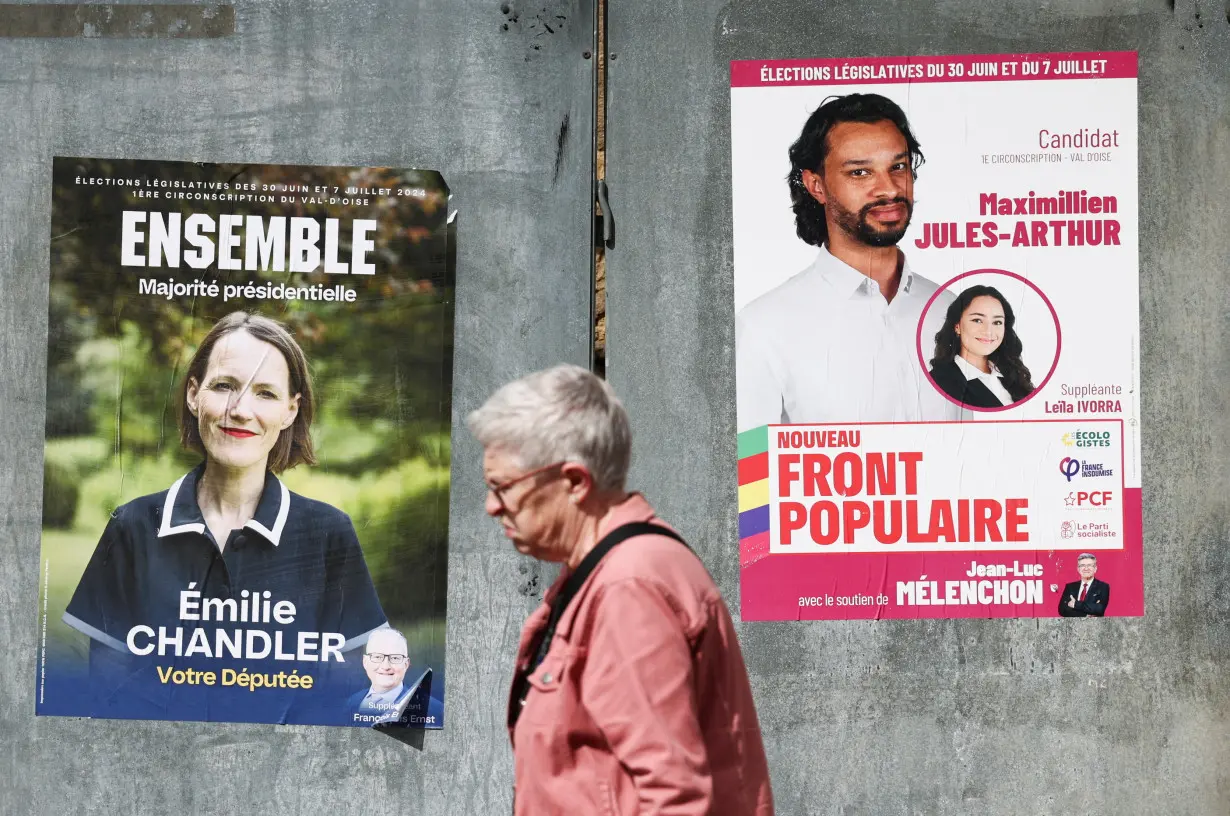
pixel 642 705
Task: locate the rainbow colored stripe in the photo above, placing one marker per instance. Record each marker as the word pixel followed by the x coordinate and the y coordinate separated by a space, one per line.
pixel 753 495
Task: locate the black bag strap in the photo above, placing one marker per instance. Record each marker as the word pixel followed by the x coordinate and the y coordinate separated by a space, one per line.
pixel 572 586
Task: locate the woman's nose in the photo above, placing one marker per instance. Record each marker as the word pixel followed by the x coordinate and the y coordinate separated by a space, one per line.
pixel 240 404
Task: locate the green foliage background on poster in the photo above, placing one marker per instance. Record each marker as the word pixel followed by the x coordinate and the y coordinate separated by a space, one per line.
pixel 382 370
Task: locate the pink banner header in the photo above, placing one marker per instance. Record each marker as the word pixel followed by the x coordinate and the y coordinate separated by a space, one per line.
pixel 960 68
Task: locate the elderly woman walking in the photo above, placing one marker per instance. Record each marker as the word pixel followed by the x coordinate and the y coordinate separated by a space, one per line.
pixel 630 695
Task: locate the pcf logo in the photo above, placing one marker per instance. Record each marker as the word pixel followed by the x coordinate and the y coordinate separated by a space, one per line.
pixel 1089 498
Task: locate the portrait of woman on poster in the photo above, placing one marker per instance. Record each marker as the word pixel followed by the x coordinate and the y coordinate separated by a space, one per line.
pixel 977 358
pixel 230 529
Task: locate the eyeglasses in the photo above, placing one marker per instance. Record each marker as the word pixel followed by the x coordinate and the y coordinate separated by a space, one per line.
pixel 498 490
pixel 394 660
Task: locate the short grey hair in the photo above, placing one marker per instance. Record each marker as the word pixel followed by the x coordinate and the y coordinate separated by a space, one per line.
pixel 1083 556
pixel 561 414
pixel 387 630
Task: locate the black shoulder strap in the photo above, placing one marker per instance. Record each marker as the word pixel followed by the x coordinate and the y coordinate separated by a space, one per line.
pixel 617 536
pixel 591 560
pixel 573 585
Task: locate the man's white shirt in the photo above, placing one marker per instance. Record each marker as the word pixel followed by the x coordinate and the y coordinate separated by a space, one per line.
pixel 826 346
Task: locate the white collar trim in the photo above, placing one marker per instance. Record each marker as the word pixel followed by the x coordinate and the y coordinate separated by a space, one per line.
pixel 168 508
pixel 972 373
pixel 274 535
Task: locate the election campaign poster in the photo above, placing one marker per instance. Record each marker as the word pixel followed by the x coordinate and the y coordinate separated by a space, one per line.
pixel 246 475
pixel 937 336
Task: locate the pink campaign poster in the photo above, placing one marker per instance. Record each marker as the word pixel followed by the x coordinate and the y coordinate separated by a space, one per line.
pixel 937 336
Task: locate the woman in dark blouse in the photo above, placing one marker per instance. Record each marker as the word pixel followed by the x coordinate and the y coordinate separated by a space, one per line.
pixel 228 538
pixel 977 358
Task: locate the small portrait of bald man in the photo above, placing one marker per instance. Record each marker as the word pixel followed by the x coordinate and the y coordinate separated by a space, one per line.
pixel 386 660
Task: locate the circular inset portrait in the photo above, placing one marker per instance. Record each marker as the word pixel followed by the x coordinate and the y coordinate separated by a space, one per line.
pixel 998 341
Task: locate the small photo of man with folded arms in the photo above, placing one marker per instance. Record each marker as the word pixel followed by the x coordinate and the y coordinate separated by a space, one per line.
pixel 1087 597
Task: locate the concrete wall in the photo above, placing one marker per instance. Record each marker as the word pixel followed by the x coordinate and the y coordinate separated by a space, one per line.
pixel 490 98
pixel 1128 716
pixel 935 717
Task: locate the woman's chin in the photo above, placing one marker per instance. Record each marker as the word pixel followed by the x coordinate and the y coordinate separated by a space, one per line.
pixel 232 463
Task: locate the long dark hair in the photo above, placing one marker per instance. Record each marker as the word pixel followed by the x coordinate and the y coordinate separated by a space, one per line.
pixel 1007 358
pixel 809 150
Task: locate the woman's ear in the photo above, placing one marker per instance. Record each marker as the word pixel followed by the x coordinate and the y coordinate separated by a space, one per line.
pixel 294 412
pixel 194 390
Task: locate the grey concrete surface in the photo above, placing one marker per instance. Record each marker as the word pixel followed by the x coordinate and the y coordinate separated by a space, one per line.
pixel 490 98
pixel 1131 716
